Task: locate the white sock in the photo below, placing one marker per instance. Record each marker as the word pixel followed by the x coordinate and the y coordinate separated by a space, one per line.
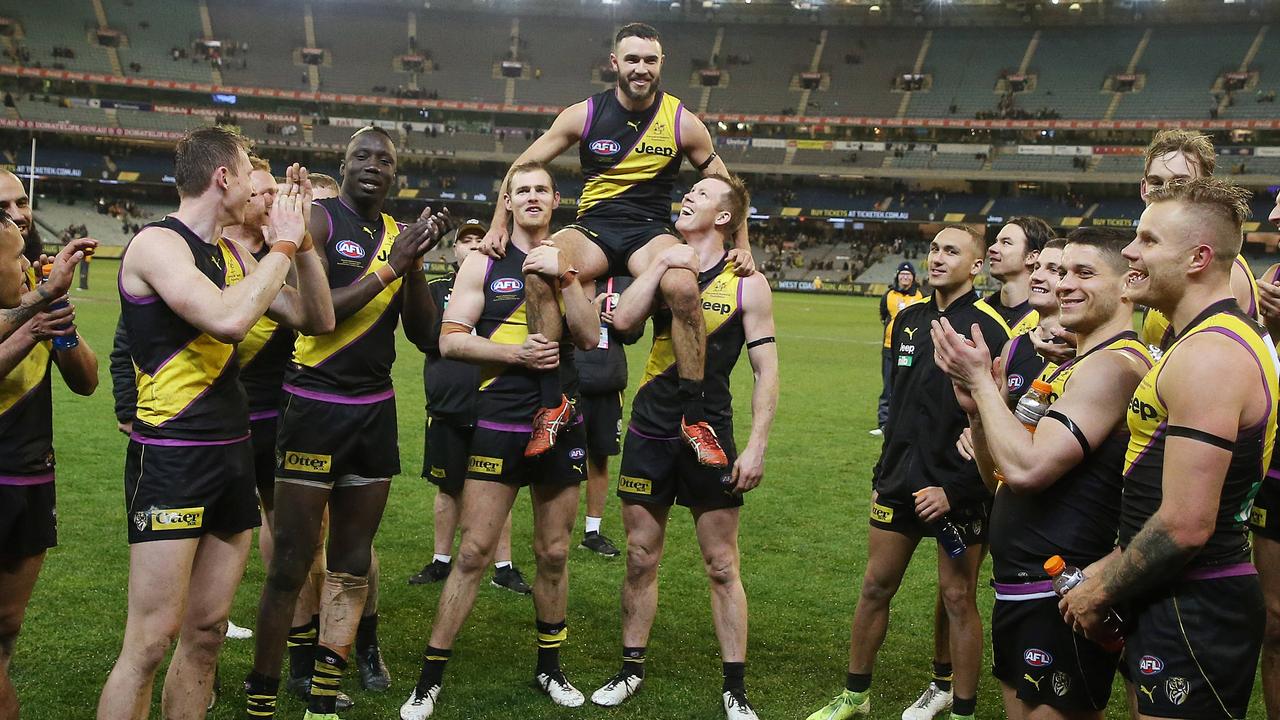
pixel 502 565
pixel 593 524
pixel 441 558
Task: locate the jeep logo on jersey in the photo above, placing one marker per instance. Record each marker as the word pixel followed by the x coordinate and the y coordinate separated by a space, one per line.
pixel 1035 657
pixel 350 249
pixel 605 147
pixel 1150 665
pixel 507 285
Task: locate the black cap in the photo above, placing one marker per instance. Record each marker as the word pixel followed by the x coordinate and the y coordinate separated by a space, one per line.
pixel 908 267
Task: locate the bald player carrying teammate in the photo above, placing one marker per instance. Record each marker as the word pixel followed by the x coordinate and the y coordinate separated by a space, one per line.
pixel 189 485
pixel 28 509
pixel 1176 156
pixel 1198 450
pixel 1060 493
pixel 631 142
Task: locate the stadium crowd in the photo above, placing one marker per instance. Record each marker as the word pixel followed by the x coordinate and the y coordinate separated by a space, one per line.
pixel 1109 471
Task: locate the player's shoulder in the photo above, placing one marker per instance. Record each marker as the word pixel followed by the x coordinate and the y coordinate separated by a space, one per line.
pixel 914 309
pixel 990 320
pixel 755 289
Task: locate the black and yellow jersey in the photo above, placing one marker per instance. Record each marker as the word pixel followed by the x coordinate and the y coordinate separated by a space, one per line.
pixel 354 361
pixel 1148 422
pixel 188 383
pixel 924 418
pixel 509 394
pixel 656 410
pixel 630 160
pixel 26 417
pixel 1157 333
pixel 451 384
pixel 1075 517
pixel 1018 319
pixel 263 355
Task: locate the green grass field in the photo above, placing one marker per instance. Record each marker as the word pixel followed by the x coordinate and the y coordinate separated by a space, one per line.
pixel 803 547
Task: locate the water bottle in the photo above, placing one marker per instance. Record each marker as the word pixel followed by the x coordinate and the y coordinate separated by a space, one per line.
pixel 949 538
pixel 62 342
pixel 1064 577
pixel 1033 405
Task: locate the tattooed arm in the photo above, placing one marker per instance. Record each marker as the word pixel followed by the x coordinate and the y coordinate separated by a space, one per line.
pixel 1195 469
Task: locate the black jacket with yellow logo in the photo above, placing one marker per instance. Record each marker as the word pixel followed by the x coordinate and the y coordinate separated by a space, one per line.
pixel 924 418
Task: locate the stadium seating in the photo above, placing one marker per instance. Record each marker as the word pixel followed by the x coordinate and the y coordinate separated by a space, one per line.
pixel 865 87
pixel 56 112
pixel 565 77
pixel 271 45
pixel 154 28
pixel 363 41
pixel 839 159
pixel 965 64
pixel 58 23
pixel 465 47
pixel 1181 64
pixel 761 85
pixel 1034 163
pixel 1071 66
pixel 1129 164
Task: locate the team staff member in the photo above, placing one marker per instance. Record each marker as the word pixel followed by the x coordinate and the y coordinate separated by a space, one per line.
pixel 631 142
pixel 1178 156
pixel 1061 486
pixel 451 419
pixel 922 483
pixel 337 443
pixel 28 514
pixel 486 324
pixel 1197 453
pixel 189 485
pixel 904 291
pixel 602 378
pixel 658 471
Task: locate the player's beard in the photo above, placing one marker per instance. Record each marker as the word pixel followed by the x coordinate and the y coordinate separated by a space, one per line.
pixel 32 245
pixel 625 86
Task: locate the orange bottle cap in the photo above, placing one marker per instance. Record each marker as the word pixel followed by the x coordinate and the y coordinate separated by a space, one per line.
pixel 1041 386
pixel 1055 565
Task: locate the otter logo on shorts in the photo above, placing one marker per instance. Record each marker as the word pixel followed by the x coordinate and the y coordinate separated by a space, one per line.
pixel 485 465
pixel 307 462
pixel 880 513
pixel 177 518
pixel 635 485
pixel 1177 689
pixel 1061 683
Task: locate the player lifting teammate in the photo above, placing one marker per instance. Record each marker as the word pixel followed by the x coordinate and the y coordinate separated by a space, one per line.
pixel 1060 493
pixel 657 471
pixel 486 324
pixel 189 484
pixel 631 141
pixel 1197 453
pixel 337 442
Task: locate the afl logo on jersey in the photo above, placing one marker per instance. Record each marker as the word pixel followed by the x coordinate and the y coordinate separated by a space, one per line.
pixel 506 285
pixel 350 249
pixel 605 147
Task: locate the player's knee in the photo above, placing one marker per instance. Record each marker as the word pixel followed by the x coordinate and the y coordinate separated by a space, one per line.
pixel 877 590
pixel 1271 634
pixel 642 560
pixel 154 643
pixel 552 558
pixel 472 557
pixel 287 576
pixel 10 625
pixel 722 568
pixel 207 637
pixel 959 599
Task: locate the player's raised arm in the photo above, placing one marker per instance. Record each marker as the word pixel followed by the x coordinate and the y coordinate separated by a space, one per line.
pixel 697 146
pixel 563 134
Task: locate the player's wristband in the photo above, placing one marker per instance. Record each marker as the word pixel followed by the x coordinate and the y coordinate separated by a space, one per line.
pixel 449 327
pixel 383 278
pixel 761 341
pixel 287 248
